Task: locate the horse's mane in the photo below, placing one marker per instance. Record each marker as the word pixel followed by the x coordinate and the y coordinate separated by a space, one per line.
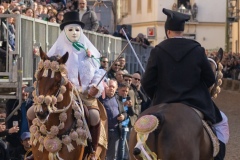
pixel 216 88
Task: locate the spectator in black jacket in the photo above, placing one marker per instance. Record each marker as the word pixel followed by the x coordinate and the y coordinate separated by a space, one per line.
pixel 120 33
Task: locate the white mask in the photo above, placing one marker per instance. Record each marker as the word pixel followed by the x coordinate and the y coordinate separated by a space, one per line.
pixel 73 32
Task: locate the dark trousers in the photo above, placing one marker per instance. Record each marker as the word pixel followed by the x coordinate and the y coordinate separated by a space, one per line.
pixel 222 151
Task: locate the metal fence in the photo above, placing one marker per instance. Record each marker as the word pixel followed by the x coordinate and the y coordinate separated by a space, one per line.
pixel 30 32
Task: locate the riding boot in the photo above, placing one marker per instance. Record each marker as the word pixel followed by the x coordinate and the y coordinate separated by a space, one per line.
pixel 95 133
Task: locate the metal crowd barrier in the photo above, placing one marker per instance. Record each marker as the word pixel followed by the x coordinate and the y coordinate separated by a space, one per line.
pixel 30 32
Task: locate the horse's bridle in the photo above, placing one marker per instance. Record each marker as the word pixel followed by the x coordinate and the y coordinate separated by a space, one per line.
pixel 61 83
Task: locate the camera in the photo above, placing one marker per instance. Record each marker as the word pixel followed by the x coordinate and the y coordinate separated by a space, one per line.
pixel 128 98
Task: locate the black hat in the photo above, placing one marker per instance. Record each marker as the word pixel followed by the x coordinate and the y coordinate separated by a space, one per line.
pixel 71 18
pixel 175 20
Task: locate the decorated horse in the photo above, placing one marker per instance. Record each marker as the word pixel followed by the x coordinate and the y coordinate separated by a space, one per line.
pixel 60 129
pixel 175 131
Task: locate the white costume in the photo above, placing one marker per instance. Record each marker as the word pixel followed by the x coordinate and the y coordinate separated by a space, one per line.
pixel 78 61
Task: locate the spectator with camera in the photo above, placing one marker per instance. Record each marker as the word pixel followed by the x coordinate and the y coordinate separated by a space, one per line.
pixel 142 40
pixel 123 90
pixel 116 114
pixel 4 132
pixel 19 117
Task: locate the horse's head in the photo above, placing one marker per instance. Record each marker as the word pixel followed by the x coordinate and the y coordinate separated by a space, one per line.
pixel 51 85
pixel 217 67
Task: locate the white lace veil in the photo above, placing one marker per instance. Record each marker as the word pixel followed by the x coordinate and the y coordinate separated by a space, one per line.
pixel 63 45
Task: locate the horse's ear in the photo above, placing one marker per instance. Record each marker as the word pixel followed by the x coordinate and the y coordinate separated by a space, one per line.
pixel 219 55
pixel 64 58
pixel 42 54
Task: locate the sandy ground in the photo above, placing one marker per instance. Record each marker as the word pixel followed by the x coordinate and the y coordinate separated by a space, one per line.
pixel 229 103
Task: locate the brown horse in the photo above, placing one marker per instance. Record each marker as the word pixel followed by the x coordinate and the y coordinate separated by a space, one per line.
pixel 54 107
pixel 180 134
pixel 60 129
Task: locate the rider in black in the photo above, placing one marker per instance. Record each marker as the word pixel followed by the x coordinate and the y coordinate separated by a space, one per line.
pixel 178 70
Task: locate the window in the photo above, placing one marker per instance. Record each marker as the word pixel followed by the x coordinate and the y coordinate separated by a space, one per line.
pixel 129 6
pixel 149 6
pixel 139 6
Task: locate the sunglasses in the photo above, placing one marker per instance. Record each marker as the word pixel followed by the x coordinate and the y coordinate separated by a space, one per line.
pixel 137 79
pixel 104 61
pixel 117 65
pixel 81 3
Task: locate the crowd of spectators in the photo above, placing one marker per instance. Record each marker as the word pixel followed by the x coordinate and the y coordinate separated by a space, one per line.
pixel 123 99
pixel 14 134
pixel 53 12
pixel 231 65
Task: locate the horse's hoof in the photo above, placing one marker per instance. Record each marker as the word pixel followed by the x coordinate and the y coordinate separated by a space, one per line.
pixel 136 151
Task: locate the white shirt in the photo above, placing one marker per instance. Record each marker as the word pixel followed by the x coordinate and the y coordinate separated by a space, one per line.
pixel 222 129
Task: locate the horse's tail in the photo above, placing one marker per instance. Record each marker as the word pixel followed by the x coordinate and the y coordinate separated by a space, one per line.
pixel 144 126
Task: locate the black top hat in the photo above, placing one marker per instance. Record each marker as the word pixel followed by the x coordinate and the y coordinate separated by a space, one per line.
pixel 71 18
pixel 175 20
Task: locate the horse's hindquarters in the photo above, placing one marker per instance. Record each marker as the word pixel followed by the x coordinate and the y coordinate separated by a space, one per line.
pixel 179 135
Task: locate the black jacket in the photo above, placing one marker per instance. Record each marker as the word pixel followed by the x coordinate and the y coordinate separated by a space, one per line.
pixel 178 71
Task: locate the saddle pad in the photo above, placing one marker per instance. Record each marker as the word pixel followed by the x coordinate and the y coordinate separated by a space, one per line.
pixel 103 140
pixel 213 138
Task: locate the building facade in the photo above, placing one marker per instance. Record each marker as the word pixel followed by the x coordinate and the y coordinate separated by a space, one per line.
pixel 208 27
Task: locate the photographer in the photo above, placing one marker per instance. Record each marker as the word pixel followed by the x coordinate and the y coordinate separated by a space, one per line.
pixel 19 118
pixel 4 132
pixel 141 40
pixel 124 119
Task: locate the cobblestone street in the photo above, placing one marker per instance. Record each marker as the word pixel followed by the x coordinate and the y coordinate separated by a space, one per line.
pixel 229 103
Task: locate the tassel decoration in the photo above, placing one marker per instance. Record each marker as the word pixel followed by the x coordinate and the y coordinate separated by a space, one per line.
pixel 63 89
pixel 45 73
pixel 52 74
pixel 35 141
pixel 59 98
pixel 67 141
pixel 48 100
pixel 54 100
pixel 59 158
pixel 61 125
pixel 36 74
pixel 41 139
pixel 40 65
